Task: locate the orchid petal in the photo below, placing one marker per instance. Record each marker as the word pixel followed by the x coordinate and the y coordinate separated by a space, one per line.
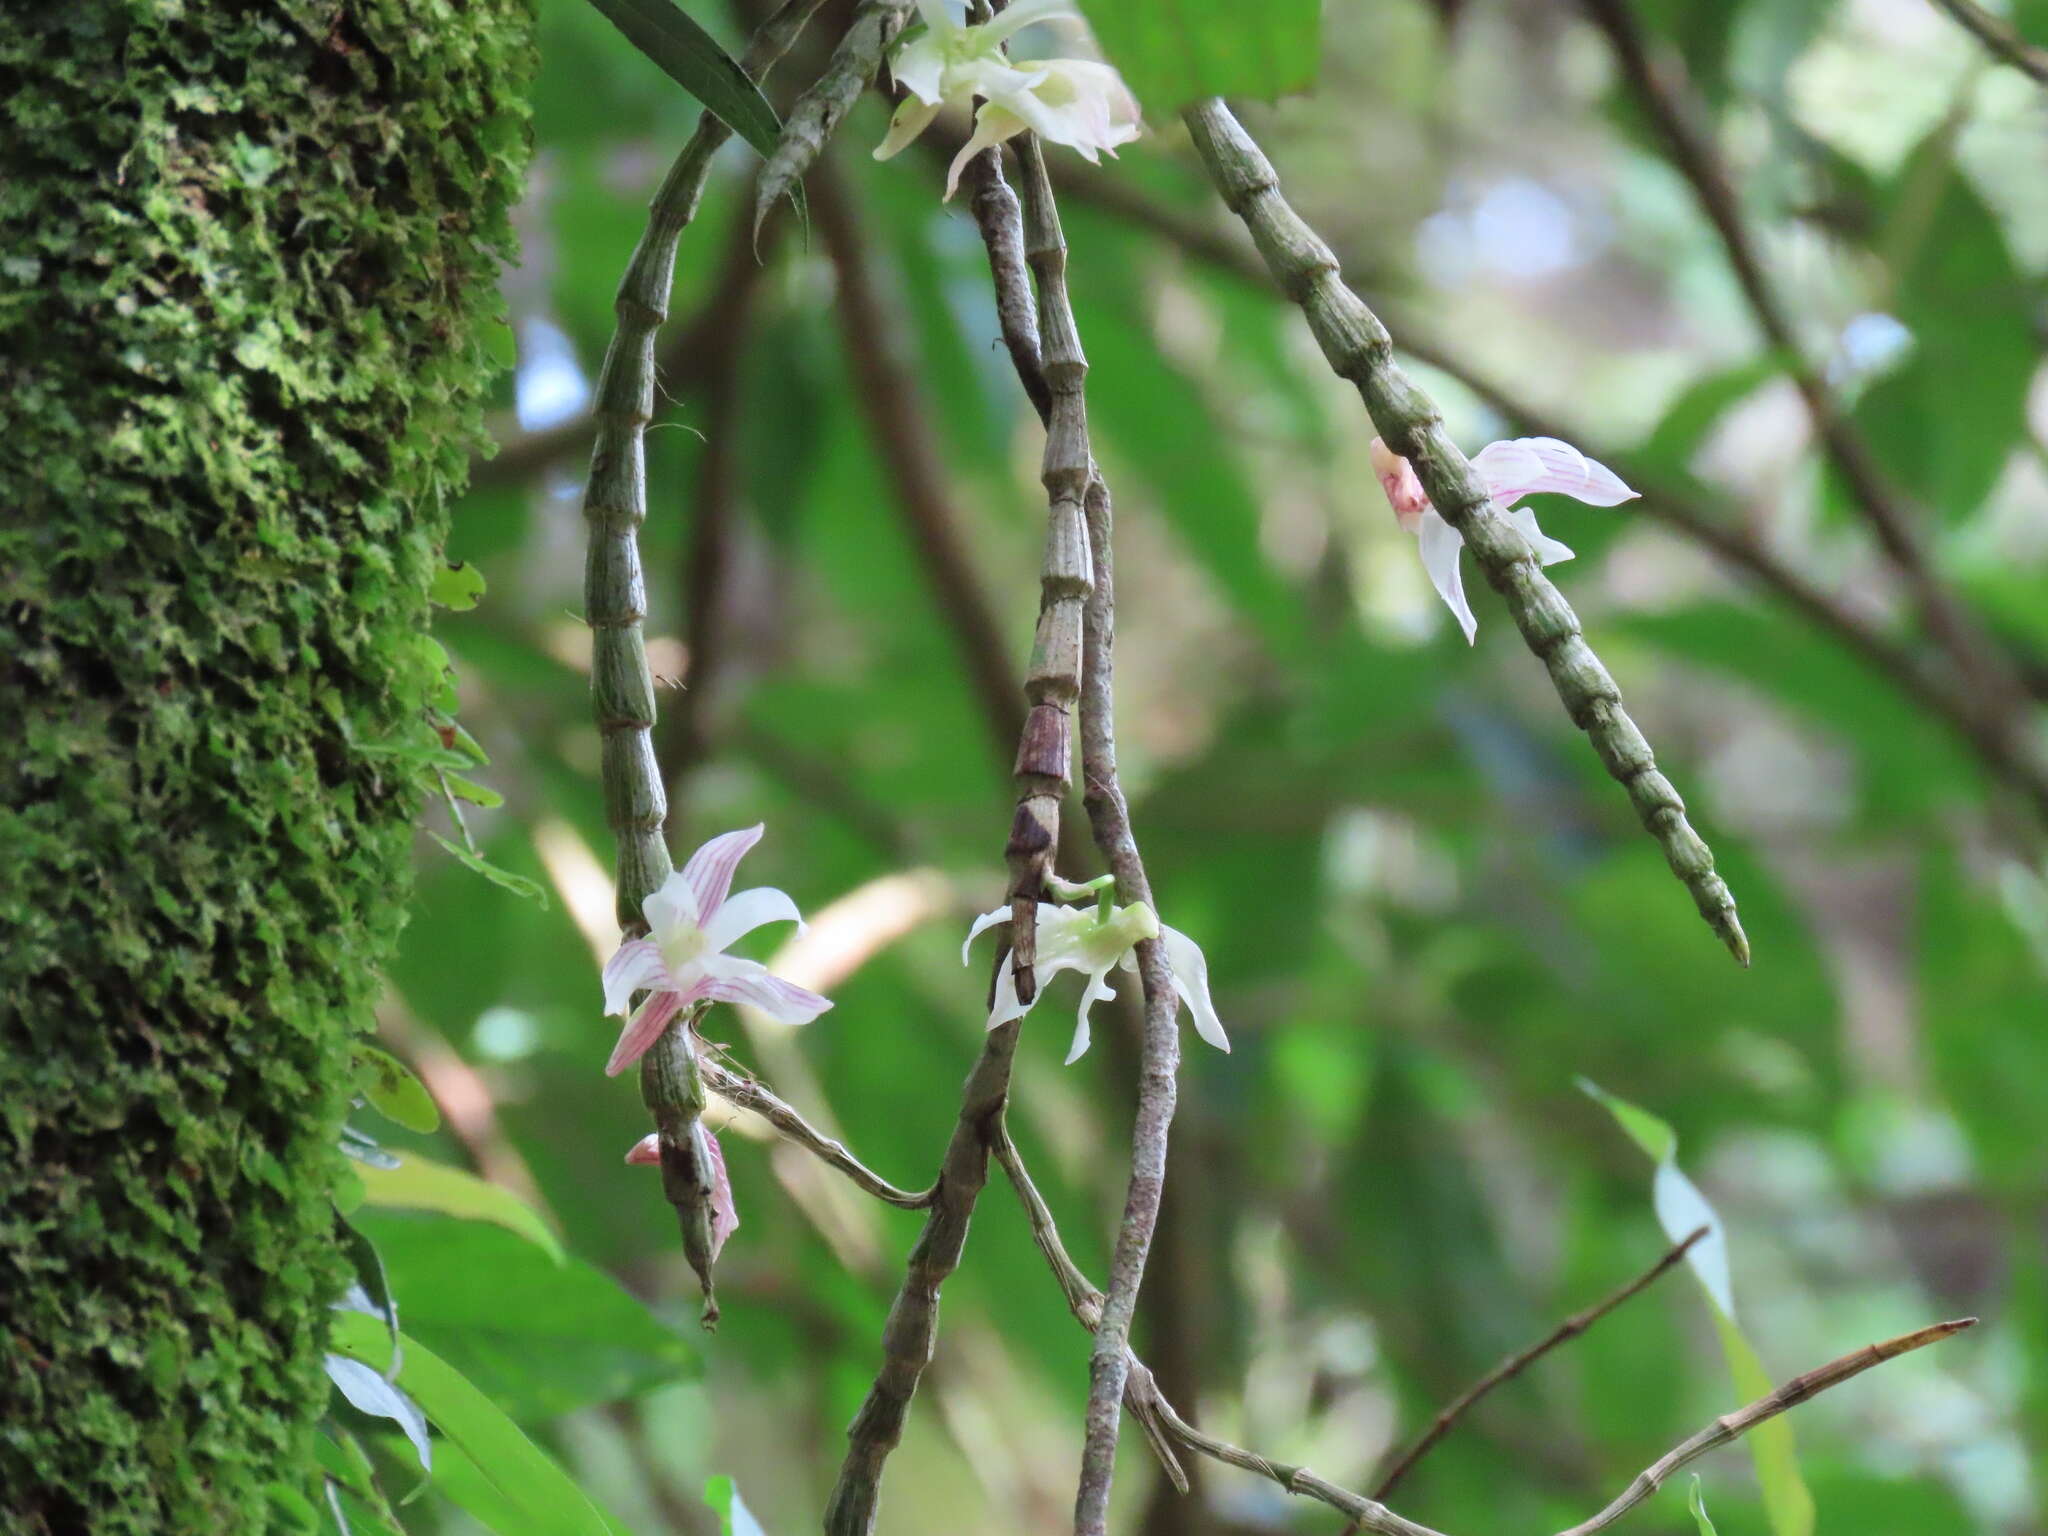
pixel 725 1216
pixel 1397 478
pixel 670 908
pixel 744 911
pixel 710 869
pixel 1191 980
pixel 730 979
pixel 647 1023
pixel 982 924
pixel 646 1150
pixel 1006 1005
pixel 1024 13
pixel 1098 988
pixel 636 967
pixel 1523 465
pixel 1441 546
pixel 1548 550
pixel 992 126
pixel 910 120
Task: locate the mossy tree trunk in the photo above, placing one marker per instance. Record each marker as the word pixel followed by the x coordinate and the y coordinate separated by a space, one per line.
pixel 247 257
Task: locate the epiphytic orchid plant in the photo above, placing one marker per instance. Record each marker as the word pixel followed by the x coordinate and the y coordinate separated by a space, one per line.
pixel 1094 941
pixel 691 922
pixel 1081 103
pixel 1512 470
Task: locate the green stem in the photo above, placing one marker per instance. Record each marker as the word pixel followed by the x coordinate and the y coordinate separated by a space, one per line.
pixel 1359 349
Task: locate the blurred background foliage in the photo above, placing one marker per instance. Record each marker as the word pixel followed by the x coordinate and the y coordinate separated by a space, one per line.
pixel 1426 910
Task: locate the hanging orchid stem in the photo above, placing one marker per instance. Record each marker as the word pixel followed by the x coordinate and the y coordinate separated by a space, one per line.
pixel 737 1088
pixel 615 605
pixel 817 113
pixel 1359 349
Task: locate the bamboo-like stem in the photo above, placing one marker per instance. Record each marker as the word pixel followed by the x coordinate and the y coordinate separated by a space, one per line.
pixel 1052 680
pixel 1515 1364
pixel 615 605
pixel 1071 473
pixel 817 113
pixel 1731 1426
pixel 1679 502
pixel 2000 36
pixel 890 399
pixel 1359 349
pixel 1996 692
pixel 748 1093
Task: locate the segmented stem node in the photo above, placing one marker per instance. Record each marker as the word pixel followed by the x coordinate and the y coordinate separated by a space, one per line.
pixel 1359 349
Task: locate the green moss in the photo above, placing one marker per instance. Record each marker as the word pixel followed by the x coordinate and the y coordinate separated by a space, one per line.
pixel 249 255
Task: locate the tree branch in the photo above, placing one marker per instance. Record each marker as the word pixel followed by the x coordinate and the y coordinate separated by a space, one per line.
pixel 891 401
pixel 1998 699
pixel 1359 349
pixel 2000 36
pixel 1514 1365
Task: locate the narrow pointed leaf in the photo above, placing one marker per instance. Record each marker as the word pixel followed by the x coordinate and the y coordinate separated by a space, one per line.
pixel 734 1518
pixel 691 57
pixel 423 1185
pixel 1698 1506
pixel 367 1391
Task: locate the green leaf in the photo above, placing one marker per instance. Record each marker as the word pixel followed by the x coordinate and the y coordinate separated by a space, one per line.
pixel 391 1089
pixel 692 58
pixel 541 1339
pixel 457 587
pixel 528 1482
pixel 518 884
pixel 734 1518
pixel 372 1290
pixel 474 793
pixel 420 1184
pixel 1173 52
pixel 364 1149
pixel 1681 1210
pixel 1698 1506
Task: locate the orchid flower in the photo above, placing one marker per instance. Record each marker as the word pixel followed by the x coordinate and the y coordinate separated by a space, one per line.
pixel 1081 103
pixel 725 1216
pixel 691 922
pixel 1094 941
pixel 1511 471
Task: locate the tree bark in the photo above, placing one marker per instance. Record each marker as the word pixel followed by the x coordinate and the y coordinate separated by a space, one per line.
pixel 247 257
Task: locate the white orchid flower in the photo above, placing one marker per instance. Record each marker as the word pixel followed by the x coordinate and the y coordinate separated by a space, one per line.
pixel 1084 939
pixel 691 922
pixel 1081 103
pixel 725 1216
pixel 1511 470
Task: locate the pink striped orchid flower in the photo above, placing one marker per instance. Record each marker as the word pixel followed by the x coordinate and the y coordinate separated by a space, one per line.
pixel 691 922
pixel 1511 470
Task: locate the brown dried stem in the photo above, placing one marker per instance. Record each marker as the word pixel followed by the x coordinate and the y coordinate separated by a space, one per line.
pixel 1515 1364
pixel 1369 1514
pixel 1996 693
pixel 736 1087
pixel 1731 1426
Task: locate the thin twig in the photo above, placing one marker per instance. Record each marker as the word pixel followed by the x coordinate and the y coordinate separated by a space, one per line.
pixel 736 1087
pixel 1678 501
pixel 2000 36
pixel 1998 696
pixel 889 397
pixel 1359 349
pixel 1732 1425
pixel 1515 1364
pixel 1371 1515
